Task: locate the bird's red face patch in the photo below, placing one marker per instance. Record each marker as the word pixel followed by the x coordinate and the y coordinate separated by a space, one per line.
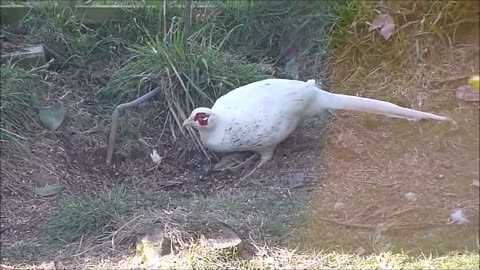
pixel 201 118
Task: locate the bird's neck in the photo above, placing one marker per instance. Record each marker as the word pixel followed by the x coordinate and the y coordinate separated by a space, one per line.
pixel 213 137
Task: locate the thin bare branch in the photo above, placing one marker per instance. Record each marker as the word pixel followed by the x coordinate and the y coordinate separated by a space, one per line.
pixel 115 120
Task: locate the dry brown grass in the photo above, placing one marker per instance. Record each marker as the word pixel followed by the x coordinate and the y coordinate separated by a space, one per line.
pixel 374 161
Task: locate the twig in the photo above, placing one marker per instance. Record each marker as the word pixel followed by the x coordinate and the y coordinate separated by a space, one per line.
pixel 399 212
pixel 90 249
pixel 401 226
pixel 115 116
pixel 363 226
pixel 380 184
pixel 451 79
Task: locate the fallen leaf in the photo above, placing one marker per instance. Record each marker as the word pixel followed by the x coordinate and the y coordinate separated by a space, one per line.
pixel 339 206
pixel 48 190
pixel 52 116
pixel 458 216
pixel 467 93
pixel 156 158
pixel 385 23
pixel 377 22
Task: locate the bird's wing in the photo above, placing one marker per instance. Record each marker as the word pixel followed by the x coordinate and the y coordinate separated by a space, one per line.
pixel 275 95
pixel 262 113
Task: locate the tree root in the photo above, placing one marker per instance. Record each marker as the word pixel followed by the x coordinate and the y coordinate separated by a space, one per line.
pixel 115 120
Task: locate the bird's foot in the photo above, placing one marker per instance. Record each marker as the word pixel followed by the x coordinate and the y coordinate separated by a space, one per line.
pixel 264 159
pixel 234 162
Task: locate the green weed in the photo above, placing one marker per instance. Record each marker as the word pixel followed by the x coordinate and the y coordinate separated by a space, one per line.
pixel 20 90
pixel 82 215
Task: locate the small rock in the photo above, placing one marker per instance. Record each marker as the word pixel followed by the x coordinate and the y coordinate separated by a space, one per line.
pixel 339 206
pixel 360 251
pixel 152 242
pixel 475 183
pixel 410 196
pixel 224 238
pixel 297 180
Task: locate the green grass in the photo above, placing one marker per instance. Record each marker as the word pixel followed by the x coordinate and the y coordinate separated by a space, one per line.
pixel 24 251
pixel 83 215
pixel 421 27
pixel 19 95
pixel 67 39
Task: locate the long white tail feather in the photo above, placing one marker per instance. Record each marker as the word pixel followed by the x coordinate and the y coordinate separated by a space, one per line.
pixel 333 101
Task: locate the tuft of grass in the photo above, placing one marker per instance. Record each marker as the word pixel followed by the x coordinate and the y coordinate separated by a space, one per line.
pixel 83 215
pixel 20 89
pixel 421 27
pixel 269 213
pixel 188 73
pixel 263 27
pixel 66 37
pixel 23 251
pixel 196 73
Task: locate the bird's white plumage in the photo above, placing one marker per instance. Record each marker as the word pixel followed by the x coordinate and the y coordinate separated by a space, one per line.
pixel 258 116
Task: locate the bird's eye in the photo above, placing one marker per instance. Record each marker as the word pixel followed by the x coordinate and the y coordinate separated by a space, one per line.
pixel 201 116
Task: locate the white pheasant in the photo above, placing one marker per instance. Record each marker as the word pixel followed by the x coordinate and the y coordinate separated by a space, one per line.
pixel 258 116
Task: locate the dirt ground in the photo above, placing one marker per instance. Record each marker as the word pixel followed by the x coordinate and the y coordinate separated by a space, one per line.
pixel 366 163
pixel 74 156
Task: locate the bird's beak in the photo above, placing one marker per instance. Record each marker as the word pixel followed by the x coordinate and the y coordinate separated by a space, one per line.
pixel 187 122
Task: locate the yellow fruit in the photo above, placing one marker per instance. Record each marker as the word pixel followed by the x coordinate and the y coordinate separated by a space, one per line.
pixel 474 82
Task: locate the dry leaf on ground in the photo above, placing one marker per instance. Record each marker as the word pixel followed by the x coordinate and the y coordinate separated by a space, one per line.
pixel 385 23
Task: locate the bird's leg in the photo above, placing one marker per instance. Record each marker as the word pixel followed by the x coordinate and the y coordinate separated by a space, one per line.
pixel 265 156
pixel 244 163
pixel 231 162
pixel 234 162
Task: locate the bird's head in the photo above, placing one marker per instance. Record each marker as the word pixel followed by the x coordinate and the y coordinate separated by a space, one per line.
pixel 200 118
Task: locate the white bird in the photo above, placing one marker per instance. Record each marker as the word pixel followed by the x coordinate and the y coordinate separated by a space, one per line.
pixel 258 116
